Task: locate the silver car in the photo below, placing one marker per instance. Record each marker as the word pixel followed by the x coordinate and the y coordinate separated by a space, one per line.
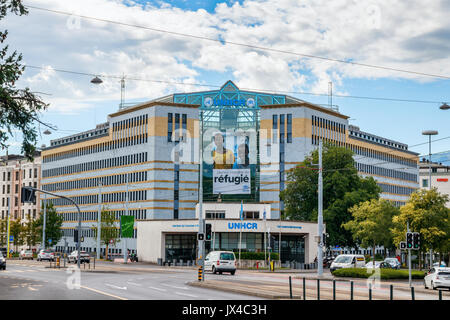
pixel 47 254
pixel 393 262
pixel 26 254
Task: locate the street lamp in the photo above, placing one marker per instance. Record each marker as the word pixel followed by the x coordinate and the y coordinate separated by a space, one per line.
pixel 47 132
pixel 430 133
pixel 445 106
pixel 96 80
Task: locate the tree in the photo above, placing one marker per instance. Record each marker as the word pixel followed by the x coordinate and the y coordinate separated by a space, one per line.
pixel 31 233
pixel 18 107
pixel 53 223
pixel 3 232
pixel 109 232
pixel 371 223
pixel 16 230
pixel 342 189
pixel 426 213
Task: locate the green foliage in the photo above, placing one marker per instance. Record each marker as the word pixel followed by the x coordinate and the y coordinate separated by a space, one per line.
pixel 385 274
pixel 53 223
pixel 428 215
pixel 108 231
pixel 256 255
pixel 3 231
pixel 371 223
pixel 342 189
pixel 17 230
pixel 19 108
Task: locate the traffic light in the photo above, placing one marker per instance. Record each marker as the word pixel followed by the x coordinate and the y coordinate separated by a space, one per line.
pixel 416 240
pixel 208 233
pixel 27 195
pixel 75 235
pixel 409 240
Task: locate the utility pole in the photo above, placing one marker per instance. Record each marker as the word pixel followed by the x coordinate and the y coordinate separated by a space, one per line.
pixel 201 230
pixel 9 225
pixel 44 222
pixel 99 218
pixel 320 217
pixel 125 253
pixel 409 258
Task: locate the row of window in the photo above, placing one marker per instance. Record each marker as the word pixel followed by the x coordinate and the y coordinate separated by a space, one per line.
pixel 285 128
pixel 100 147
pixel 128 128
pixel 369 153
pixel 108 197
pixel 94 165
pixel 327 129
pixel 89 233
pixel 7 175
pixel 90 250
pixel 173 125
pixel 377 140
pixel 94 182
pixel 367 168
pixel 406 191
pixel 138 214
pixel 16 215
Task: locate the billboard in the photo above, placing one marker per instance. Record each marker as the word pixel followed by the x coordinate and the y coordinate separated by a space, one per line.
pixel 233 181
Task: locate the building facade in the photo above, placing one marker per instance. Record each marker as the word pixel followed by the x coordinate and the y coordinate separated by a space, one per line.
pixel 250 141
pixel 440 175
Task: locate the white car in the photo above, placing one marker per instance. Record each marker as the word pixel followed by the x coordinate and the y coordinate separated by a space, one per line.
pixel 348 261
pixel 84 257
pixel 437 278
pixel 26 254
pixel 436 265
pixel 47 254
pixel 370 264
pixel 2 262
pixel 220 261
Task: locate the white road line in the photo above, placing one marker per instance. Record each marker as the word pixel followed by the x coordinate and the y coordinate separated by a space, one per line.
pixel 158 289
pixel 185 294
pixel 175 287
pixel 116 287
pixel 136 284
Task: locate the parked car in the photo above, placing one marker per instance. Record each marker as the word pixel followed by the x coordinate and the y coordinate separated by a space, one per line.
pixel 348 261
pixel 393 262
pixel 437 278
pixel 47 254
pixel 220 261
pixel 84 257
pixel 379 264
pixel 437 265
pixel 2 262
pixel 26 254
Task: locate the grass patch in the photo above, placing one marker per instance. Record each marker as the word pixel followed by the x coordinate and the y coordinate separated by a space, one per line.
pixel 385 273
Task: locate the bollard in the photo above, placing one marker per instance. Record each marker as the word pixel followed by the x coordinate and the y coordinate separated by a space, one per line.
pixel 370 291
pixel 318 289
pixel 290 287
pixel 392 292
pixel 412 294
pixel 334 289
pixel 351 290
pixel 200 273
pixel 440 294
pixel 304 288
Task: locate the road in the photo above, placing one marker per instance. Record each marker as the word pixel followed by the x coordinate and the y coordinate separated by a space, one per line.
pixel 32 280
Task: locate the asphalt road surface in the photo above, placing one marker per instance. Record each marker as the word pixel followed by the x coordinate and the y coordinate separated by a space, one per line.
pixel 33 280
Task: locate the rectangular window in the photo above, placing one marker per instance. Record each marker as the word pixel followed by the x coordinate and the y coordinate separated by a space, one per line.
pixel 289 128
pixel 274 127
pixel 425 183
pixel 169 127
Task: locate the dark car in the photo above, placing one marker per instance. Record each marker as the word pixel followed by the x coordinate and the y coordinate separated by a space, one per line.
pixel 2 262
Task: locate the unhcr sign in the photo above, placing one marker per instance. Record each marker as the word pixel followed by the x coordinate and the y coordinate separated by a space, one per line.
pixel 242 226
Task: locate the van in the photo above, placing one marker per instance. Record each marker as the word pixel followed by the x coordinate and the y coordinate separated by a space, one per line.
pixel 348 261
pixel 220 261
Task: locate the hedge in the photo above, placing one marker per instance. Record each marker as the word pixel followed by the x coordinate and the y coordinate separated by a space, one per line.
pixel 256 255
pixel 385 273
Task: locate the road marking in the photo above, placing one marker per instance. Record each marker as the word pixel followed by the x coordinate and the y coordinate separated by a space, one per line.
pixel 104 293
pixel 32 289
pixel 175 287
pixel 159 289
pixel 113 286
pixel 185 294
pixel 136 284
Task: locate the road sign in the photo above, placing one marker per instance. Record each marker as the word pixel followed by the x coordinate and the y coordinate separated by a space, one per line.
pixel 111 241
pixel 403 245
pixel 49 241
pixel 11 238
pixel 201 236
pixel 127 226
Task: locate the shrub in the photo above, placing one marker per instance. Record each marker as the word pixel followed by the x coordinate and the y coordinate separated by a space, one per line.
pixel 385 273
pixel 256 255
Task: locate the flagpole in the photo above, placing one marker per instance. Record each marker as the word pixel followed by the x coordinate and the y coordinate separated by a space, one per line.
pixel 240 233
pixel 265 244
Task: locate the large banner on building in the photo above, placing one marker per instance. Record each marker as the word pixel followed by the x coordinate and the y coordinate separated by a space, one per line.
pixel 231 181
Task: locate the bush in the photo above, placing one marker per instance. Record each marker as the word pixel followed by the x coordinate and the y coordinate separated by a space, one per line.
pixel 256 255
pixel 385 273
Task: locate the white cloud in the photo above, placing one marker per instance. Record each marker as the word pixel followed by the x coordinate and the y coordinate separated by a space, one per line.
pixel 399 34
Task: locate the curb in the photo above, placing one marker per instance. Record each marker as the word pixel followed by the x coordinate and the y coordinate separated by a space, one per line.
pixel 245 292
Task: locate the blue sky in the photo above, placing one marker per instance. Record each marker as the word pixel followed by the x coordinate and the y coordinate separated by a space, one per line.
pixel 405 36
